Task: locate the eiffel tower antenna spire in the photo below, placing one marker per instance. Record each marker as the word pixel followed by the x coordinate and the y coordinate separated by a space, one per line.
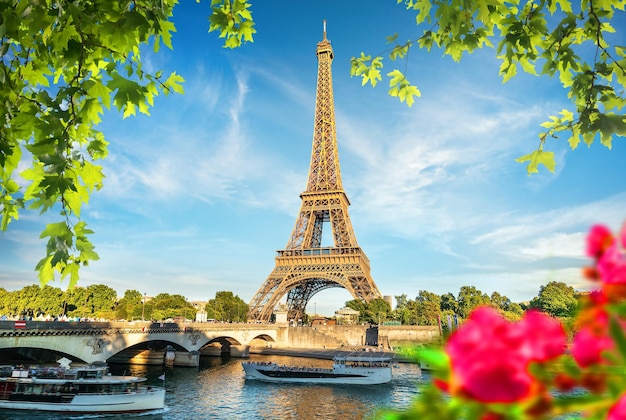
pixel 305 267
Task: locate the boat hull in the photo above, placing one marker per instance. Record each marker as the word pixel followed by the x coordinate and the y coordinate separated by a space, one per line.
pixel 150 400
pixel 355 376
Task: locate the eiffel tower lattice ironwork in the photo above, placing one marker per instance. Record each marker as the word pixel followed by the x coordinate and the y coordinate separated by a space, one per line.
pixel 305 267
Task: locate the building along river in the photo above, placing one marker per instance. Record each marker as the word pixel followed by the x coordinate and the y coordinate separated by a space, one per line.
pixel 218 390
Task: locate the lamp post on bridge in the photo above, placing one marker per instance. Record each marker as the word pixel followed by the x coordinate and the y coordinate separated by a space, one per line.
pixel 143 307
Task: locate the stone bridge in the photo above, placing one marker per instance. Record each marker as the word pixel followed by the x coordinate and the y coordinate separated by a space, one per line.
pixel 99 341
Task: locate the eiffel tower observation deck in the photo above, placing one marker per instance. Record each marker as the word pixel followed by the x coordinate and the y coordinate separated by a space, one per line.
pixel 305 267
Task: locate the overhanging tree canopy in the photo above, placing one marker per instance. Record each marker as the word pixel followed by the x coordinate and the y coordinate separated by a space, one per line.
pixel 64 63
pixel 556 38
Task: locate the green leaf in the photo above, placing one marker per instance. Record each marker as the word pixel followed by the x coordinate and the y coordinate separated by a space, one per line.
pixel 609 124
pixel 129 92
pixel 397 77
pixel 10 211
pixel 174 83
pixel 392 38
pixel 407 93
pixel 72 271
pixel 372 76
pixel 45 270
pixel 167 28
pixel 56 229
pixel 536 158
pixel 101 92
pixel 35 76
pixel 574 140
pixel 400 87
pixel 507 71
pixel 617 334
pixel 528 66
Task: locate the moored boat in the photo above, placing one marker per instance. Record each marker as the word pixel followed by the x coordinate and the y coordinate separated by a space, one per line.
pixel 88 389
pixel 358 370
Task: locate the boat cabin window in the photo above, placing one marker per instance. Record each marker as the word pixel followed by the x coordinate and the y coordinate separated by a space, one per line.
pixel 89 374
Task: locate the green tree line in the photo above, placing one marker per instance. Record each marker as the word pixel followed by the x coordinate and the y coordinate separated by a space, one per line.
pixel 428 308
pixel 100 302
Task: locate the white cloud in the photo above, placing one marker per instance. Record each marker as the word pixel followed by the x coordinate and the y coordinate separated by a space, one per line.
pixel 568 245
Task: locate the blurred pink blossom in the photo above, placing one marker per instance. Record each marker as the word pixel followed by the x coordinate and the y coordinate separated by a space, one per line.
pixel 599 238
pixel 490 355
pixel 618 411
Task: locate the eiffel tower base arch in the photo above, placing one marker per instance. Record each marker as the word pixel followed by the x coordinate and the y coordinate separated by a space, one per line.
pixel 298 277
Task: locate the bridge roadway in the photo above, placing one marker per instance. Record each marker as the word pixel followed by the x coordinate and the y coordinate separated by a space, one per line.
pixel 98 341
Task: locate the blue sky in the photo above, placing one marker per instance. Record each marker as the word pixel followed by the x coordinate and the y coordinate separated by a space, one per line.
pixel 199 196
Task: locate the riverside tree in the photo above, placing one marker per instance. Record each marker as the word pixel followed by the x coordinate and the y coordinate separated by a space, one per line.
pixel 578 43
pixel 64 63
pixel 227 306
pixel 557 299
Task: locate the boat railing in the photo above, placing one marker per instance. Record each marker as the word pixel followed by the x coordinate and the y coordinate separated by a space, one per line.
pixel 51 372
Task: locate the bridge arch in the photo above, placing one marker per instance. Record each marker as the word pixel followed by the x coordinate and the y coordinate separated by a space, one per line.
pixel 92 342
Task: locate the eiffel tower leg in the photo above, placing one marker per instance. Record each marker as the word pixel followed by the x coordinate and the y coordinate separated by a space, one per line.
pixel 267 297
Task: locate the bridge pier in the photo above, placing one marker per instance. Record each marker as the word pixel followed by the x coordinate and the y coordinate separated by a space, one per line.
pixel 241 351
pixel 187 358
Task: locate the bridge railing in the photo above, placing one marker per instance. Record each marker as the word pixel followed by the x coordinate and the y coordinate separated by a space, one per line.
pixel 87 327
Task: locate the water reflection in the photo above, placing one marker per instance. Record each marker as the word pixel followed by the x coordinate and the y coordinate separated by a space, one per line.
pixel 218 390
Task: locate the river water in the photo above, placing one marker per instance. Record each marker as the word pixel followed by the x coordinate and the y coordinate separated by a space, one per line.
pixel 217 390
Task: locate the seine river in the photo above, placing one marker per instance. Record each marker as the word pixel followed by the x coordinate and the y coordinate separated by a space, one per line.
pixel 218 390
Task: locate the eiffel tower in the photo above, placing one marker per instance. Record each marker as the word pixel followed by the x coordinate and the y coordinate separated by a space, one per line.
pixel 305 268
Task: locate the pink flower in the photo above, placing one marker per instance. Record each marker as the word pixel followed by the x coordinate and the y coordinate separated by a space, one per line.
pixel 540 332
pixel 618 411
pixel 490 355
pixel 588 347
pixel 612 265
pixel 610 257
pixel 597 298
pixel 598 239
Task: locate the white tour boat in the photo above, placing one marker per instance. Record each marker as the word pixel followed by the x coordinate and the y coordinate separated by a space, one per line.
pixel 89 389
pixel 357 370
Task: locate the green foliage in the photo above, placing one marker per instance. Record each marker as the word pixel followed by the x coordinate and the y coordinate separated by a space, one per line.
pixel 361 306
pixel 165 306
pixel 367 68
pixel 376 311
pixel 542 38
pixel 227 307
pixel 233 19
pixel 62 65
pixel 536 158
pixel 556 299
pixel 427 308
pixel 95 302
pixel 402 312
pixel 470 298
pixel 130 306
pixel 449 303
pixel 33 301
